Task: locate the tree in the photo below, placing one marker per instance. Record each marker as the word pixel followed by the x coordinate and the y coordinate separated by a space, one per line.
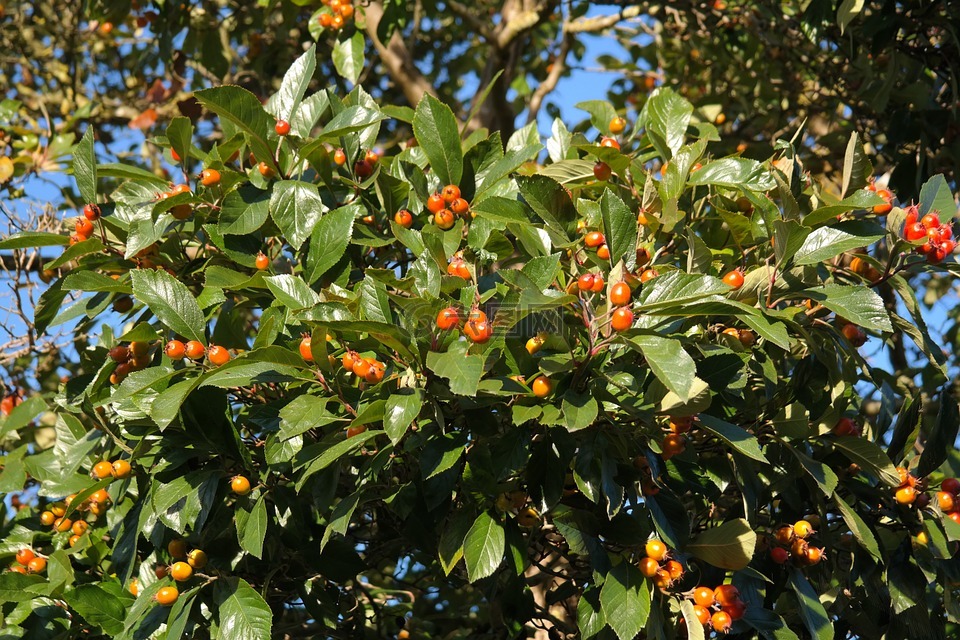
pixel 600 385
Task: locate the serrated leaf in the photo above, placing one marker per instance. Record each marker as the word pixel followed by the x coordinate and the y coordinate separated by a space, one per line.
pixel 857 167
pixel 435 128
pixel 825 243
pixel 870 457
pixel 329 240
pixel 669 362
pixel 462 370
pixel 29 239
pixel 736 437
pixel 734 173
pixel 855 303
pixel 85 167
pixel 286 101
pixel 620 229
pixel 625 600
pixel 296 207
pixel 728 546
pixel 254 529
pixel 814 616
pixel 243 110
pixel 483 547
pixel 171 301
pixel 400 411
pixel 242 612
pixel 348 55
pixel 291 291
pixel 935 195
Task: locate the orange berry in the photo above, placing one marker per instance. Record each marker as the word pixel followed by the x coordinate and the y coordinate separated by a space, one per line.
pixel 622 319
pixel 102 469
pixel 906 495
pixel 946 501
pixel 784 534
pixel 460 206
pixel 803 529
pixel 25 555
pixel 656 549
pixel 194 350
pixel 177 548
pixel 180 571
pixel 304 348
pixel 84 227
pixel 91 212
pixel 450 193
pixel 240 485
pixel 620 294
pixel 649 567
pixel 62 524
pixel 610 143
pixel 603 252
pixel 403 218
pixel 594 239
pixel 339 157
pixel 617 125
pixel 703 596
pixel 734 279
pixel 362 367
pixel 218 355
pixel 262 261
pixel 209 177
pixel 356 430
pixel 448 318
pixel 197 559
pixel 542 387
pixel 703 614
pixel 648 275
pixel 444 219
pixel 175 350
pixel 435 204
pixel 282 127
pixel 813 555
pixel 47 518
pixel 166 596
pixel 478 332
pixel 37 565
pixel 350 360
pixel 79 527
pixel 674 568
pixel 726 594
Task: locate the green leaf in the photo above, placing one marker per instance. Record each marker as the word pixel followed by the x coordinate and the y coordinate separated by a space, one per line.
pixel 625 600
pixel 546 197
pixel 860 530
pixel 450 548
pixel 169 300
pixel 329 240
pixel 814 616
pixel 824 243
pixel 483 547
pixel 286 101
pixel 870 457
pixel 98 607
pixel 601 113
pixel 435 128
pixel 620 229
pixel 579 410
pixel 738 438
pixel 770 625
pixel 823 475
pixel 335 453
pixel 242 612
pixel 13 586
pixel 348 55
pixel 74 252
pixel 85 167
pixel 462 370
pixel 296 207
pixel 180 136
pixel 350 120
pixel 935 196
pixel 400 411
pixel 304 413
pixel 291 291
pixel 907 427
pixel 254 529
pixel 243 109
pixel 939 443
pixel 130 172
pixel 729 546
pixel 734 173
pixel 857 167
pixel 669 362
pixel 243 211
pixel 441 453
pixel 28 239
pixel 694 631
pixel 676 289
pixel 667 116
pixel 855 303
pixel 590 618
pixel 857 200
pixel 93 281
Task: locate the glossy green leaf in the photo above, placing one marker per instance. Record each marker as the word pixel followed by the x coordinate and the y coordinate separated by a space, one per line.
pixel 669 362
pixel 483 547
pixel 329 240
pixel 241 611
pixel 28 239
pixel 286 101
pixel 244 111
pixel 296 207
pixel 728 546
pixel 437 133
pixel 348 55
pixel 85 167
pixel 734 173
pixel 859 305
pixel 620 229
pixel 171 301
pixel 825 243
pixel 814 616
pixel 738 438
pixel 625 600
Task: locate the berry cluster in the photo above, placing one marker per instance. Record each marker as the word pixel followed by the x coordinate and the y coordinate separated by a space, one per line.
pixel 181 570
pixel 948 498
pixel 718 608
pixel 886 194
pixel 596 240
pixel 83 228
pixel 675 442
pixel 119 469
pixel 477 328
pixel 27 561
pixel 657 566
pixel 910 488
pixel 446 206
pixel 938 236
pixel 746 337
pixel 97 504
pixel 792 542
pixel 336 14
pixel 458 267
pixel 194 350
pixel 134 357
pixel 369 369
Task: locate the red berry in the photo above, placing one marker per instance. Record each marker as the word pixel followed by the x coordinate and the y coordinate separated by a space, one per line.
pixel 622 319
pixel 734 279
pixel 602 171
pixel 91 212
pixel 930 221
pixel 448 318
pixel 282 127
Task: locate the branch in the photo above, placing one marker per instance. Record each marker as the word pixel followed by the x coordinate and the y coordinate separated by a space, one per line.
pixel 600 23
pixel 397 59
pixel 470 16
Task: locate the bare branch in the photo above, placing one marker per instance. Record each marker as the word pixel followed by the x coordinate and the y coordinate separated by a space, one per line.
pixel 553 77
pixel 397 59
pixel 599 23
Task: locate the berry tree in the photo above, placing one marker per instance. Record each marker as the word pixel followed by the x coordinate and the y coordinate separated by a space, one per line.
pixel 602 383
